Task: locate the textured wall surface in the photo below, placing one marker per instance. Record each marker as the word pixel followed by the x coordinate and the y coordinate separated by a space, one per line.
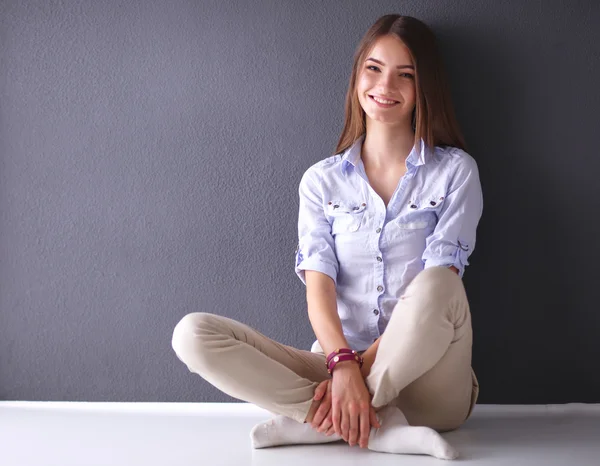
pixel 150 157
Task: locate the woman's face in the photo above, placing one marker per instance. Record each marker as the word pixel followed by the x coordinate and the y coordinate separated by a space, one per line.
pixel 387 73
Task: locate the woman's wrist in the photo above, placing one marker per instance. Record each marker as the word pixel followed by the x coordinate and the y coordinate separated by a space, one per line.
pixel 342 355
pixel 367 364
pixel 346 367
pixel 369 358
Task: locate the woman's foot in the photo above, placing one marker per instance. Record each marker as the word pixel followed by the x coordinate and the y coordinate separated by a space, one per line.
pixel 282 430
pixel 397 436
pixel 394 436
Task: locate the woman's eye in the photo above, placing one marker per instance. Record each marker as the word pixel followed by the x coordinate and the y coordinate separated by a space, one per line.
pixel 407 75
pixel 372 66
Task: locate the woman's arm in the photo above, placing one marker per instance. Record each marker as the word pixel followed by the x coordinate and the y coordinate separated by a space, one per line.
pixel 322 311
pixel 453 239
pixel 350 399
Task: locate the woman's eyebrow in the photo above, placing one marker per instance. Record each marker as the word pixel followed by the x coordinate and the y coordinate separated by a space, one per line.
pixel 381 63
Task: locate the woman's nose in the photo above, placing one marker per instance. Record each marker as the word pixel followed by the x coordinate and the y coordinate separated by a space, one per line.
pixel 385 84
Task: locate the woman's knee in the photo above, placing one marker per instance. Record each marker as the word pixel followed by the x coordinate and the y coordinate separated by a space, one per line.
pixel 190 332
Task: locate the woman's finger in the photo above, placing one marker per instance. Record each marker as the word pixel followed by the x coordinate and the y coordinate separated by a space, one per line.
pixel 325 425
pixel 345 423
pixel 336 417
pixel 321 393
pixel 321 413
pixel 320 390
pixel 365 429
pixel 321 427
pixel 353 421
pixel 373 418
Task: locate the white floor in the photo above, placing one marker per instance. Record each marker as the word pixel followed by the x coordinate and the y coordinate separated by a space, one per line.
pixel 119 434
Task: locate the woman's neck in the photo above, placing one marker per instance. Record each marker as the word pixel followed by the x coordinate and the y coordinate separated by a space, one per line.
pixel 386 146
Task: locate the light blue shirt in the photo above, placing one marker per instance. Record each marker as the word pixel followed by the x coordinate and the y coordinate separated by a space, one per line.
pixel 372 252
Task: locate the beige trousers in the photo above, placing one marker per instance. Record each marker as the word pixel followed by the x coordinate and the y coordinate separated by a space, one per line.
pixel 423 363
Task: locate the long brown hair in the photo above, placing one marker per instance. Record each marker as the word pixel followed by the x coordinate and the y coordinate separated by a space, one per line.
pixel 434 120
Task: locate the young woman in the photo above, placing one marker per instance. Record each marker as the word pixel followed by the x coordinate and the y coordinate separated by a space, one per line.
pixel 385 230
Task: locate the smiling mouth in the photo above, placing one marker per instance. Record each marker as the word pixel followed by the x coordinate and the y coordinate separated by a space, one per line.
pixel 383 101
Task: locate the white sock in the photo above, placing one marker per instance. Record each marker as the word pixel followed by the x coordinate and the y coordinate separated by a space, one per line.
pixel 394 436
pixel 282 430
pixel 397 436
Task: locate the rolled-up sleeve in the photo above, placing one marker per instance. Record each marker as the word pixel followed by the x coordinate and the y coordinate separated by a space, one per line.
pixel 453 239
pixel 316 250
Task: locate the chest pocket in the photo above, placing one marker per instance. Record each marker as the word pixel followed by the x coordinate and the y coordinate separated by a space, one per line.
pixel 422 212
pixel 345 216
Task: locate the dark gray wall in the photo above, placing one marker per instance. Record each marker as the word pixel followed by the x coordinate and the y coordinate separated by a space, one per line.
pixel 150 159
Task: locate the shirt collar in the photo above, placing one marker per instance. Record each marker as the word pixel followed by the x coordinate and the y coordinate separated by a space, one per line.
pixel 352 154
pixel 418 155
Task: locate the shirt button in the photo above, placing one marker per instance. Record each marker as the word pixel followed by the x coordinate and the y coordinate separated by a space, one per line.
pixel 379 259
pixel 378 230
pixel 376 312
pixel 380 288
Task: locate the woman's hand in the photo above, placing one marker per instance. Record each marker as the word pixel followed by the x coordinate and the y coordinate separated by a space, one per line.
pixel 351 411
pixel 322 419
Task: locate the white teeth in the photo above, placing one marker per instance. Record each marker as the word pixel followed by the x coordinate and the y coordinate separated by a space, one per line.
pixel 381 101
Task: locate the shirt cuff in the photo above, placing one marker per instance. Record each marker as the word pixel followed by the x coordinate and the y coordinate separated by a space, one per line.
pixel 458 260
pixel 318 266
